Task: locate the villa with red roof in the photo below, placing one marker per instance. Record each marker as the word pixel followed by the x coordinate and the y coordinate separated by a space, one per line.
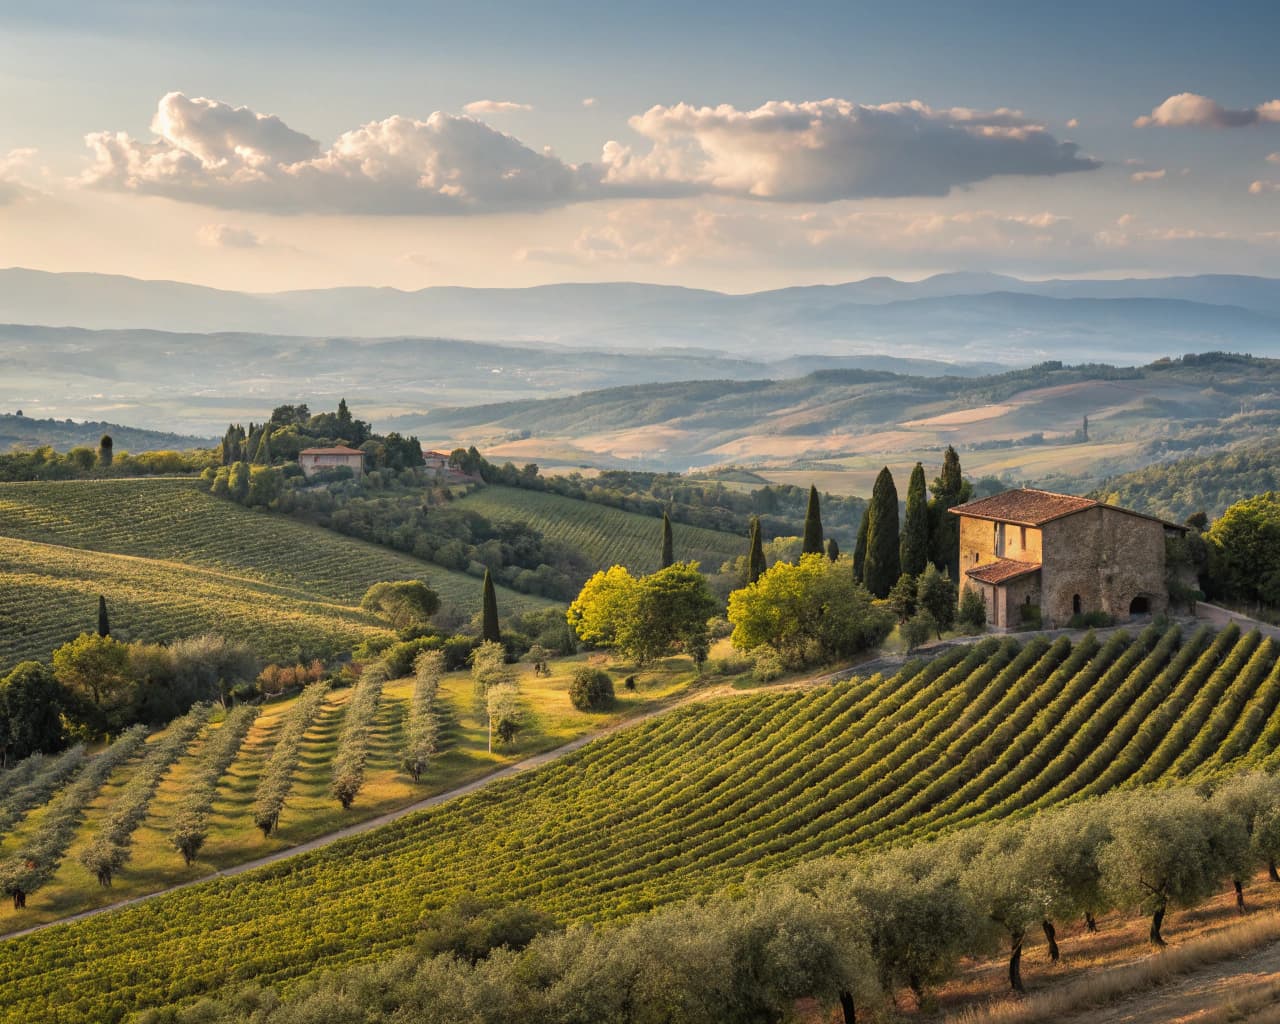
pixel 1063 555
pixel 313 460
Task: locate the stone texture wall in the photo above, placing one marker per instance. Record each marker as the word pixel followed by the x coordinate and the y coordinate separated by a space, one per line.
pixel 1106 557
pixel 978 537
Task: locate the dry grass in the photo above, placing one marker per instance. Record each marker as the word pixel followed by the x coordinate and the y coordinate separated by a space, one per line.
pixel 1105 986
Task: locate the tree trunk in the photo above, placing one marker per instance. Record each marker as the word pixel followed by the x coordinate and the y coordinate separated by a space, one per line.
pixel 1272 873
pixel 1089 922
pixel 1157 919
pixel 1051 937
pixel 1015 961
pixel 846 1005
pixel 917 990
pixel 1239 894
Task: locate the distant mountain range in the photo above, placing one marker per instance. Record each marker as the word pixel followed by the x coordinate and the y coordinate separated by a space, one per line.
pixel 960 317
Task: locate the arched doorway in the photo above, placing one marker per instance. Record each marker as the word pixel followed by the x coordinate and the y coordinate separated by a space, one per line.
pixel 1140 605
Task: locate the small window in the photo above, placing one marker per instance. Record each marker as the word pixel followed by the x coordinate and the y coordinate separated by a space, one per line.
pixel 1075 604
pixel 1022 537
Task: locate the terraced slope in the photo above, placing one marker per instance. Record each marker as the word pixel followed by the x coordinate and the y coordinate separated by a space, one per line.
pixel 173 560
pixel 606 536
pixel 694 801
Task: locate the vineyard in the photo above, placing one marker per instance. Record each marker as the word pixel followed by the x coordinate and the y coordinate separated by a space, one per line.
pixel 694 802
pixel 173 561
pixel 606 536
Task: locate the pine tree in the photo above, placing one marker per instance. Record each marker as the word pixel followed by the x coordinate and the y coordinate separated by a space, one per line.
pixel 949 490
pixel 104 624
pixel 489 620
pixel 860 546
pixel 914 550
pixel 668 553
pixel 882 567
pixel 756 564
pixel 344 414
pixel 833 549
pixel 812 525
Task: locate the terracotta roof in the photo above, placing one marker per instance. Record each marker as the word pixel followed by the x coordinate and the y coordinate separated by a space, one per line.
pixel 1026 506
pixel 331 451
pixel 1002 570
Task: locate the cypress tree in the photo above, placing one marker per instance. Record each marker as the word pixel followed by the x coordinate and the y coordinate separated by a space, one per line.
pixel 914 551
pixel 860 546
pixel 263 456
pixel 949 490
pixel 882 568
pixel 812 525
pixel 833 549
pixel 106 450
pixel 668 553
pixel 489 620
pixel 104 624
pixel 756 564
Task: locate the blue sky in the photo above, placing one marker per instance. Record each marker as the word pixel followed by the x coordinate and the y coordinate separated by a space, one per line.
pixel 728 199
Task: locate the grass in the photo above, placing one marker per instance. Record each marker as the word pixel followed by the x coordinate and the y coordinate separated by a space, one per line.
pixel 173 561
pixel 606 536
pixel 311 811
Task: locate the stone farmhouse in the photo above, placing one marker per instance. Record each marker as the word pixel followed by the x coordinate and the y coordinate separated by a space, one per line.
pixel 1062 554
pixel 313 460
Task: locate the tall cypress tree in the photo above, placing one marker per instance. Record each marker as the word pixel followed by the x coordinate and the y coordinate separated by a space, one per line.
pixel 812 525
pixel 914 551
pixel 860 546
pixel 489 619
pixel 882 568
pixel 949 489
pixel 756 564
pixel 263 455
pixel 668 552
pixel 104 623
pixel 106 450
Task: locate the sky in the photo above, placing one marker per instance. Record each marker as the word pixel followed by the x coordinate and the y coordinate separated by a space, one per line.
pixel 266 146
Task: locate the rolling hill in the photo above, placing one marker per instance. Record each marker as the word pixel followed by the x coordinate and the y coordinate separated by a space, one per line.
pixel 173 561
pixel 605 536
pixel 691 802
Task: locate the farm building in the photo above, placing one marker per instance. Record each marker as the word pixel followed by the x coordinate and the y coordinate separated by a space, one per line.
pixel 313 460
pixel 1064 555
pixel 435 460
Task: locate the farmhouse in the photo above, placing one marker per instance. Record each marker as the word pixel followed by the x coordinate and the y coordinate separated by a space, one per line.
pixel 313 460
pixel 1063 555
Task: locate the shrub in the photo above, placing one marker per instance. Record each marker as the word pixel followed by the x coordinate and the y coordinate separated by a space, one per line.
pixel 768 665
pixel 1030 616
pixel 971 616
pixel 1090 620
pixel 591 690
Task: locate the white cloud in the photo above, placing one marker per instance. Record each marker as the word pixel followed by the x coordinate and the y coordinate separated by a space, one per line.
pixel 228 236
pixel 1141 176
pixel 231 157
pixel 495 107
pixel 1273 158
pixel 13 165
pixel 834 149
pixel 1125 219
pixel 590 101
pixel 1191 110
pixel 1259 188
pixel 1074 123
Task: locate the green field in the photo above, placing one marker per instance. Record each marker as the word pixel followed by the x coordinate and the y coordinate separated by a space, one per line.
pixel 606 536
pixel 173 561
pixel 694 802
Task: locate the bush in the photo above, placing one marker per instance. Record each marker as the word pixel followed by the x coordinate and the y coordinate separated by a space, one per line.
pixel 1090 620
pixel 591 690
pixel 917 629
pixel 768 665
pixel 971 616
pixel 1031 617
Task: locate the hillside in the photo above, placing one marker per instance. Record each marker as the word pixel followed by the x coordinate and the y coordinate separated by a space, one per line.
pixel 693 801
pixel 173 561
pixel 1198 483
pixel 17 430
pixel 606 536
pixel 831 417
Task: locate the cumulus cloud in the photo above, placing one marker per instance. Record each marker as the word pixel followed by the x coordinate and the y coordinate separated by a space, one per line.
pixel 228 236
pixel 1074 123
pixel 209 152
pixel 834 149
pixel 1191 110
pixel 1259 188
pixel 495 107
pixel 1273 158
pixel 12 166
pixel 1141 176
